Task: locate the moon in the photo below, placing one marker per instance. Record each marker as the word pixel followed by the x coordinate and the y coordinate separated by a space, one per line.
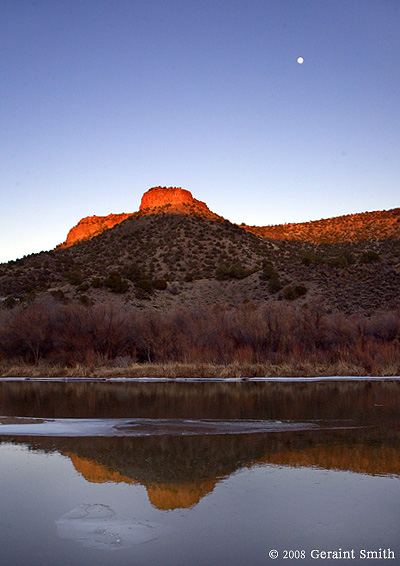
pixel 300 60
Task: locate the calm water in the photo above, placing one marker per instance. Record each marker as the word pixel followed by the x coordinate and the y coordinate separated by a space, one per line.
pixel 200 474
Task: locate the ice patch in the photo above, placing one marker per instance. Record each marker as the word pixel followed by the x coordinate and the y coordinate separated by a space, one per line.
pixel 29 426
pixel 95 525
pixel 21 426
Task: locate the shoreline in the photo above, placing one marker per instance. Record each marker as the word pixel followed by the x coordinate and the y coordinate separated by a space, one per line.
pixel 190 372
pixel 197 379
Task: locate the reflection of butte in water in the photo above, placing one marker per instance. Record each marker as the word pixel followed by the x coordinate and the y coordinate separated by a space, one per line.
pixel 163 496
pixel 358 458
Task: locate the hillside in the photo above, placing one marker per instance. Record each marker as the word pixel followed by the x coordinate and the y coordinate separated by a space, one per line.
pixel 157 200
pixel 365 226
pixel 175 251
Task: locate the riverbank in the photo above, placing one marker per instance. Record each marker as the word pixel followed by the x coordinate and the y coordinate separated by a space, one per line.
pixel 192 370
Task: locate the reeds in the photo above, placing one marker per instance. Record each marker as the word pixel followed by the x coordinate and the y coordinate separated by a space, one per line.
pixel 274 340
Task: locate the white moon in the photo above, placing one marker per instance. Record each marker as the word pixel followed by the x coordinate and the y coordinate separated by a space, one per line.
pixel 300 60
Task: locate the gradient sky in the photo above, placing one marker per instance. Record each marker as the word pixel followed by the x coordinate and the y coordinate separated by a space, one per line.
pixel 102 99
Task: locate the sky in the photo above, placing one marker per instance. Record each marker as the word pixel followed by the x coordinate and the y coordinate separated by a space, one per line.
pixel 102 99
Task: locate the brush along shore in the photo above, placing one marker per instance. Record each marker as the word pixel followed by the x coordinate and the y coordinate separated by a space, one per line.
pixel 198 370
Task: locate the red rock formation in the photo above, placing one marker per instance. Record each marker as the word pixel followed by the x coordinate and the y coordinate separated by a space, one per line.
pixel 92 226
pixel 158 200
pixel 174 200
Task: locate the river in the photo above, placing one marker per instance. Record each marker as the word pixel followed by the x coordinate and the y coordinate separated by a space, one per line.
pixel 199 473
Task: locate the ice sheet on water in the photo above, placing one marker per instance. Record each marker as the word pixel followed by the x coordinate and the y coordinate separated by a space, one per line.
pixel 20 426
pixel 203 379
pixel 95 525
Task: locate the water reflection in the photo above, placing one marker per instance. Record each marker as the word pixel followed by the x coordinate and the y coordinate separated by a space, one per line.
pixel 348 426
pixel 366 401
pixel 178 471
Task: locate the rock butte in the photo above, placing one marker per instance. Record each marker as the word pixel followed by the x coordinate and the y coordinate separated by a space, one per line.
pixel 174 200
pixel 157 200
pixel 92 226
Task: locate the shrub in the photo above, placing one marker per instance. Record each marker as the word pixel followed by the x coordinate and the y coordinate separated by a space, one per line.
pixel 222 272
pixel 133 272
pixel 233 271
pixel 160 284
pixel 237 271
pixel 58 295
pixel 300 290
pixel 369 257
pixel 342 260
pixel 97 283
pixel 115 283
pixel 307 259
pixel 274 284
pixel 74 277
pixel 290 293
pixel 10 302
pixel 145 285
pixel 144 288
pixel 268 271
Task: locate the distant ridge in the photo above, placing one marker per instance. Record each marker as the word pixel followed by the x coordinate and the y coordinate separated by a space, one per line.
pixel 174 251
pixel 377 225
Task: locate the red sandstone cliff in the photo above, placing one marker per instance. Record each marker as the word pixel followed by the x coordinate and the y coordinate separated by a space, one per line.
pixel 157 200
pixel 92 226
pixel 173 200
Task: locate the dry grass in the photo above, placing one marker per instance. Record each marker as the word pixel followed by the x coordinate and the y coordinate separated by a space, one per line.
pixel 187 370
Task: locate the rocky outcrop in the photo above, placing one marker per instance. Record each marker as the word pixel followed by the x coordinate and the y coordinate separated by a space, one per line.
pixel 378 225
pixel 92 226
pixel 157 200
pixel 174 200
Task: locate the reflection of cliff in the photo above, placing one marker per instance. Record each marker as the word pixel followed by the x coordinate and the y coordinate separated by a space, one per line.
pixel 95 472
pixel 178 471
pixel 163 496
pixel 176 495
pixel 372 460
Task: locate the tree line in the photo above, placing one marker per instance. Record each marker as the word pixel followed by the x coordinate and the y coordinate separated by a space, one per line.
pixel 274 332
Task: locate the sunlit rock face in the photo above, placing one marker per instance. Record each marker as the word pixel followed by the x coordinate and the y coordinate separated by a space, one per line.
pixel 157 200
pixel 174 200
pixel 92 226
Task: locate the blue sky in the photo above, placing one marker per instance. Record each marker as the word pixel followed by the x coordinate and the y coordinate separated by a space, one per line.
pixel 102 99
